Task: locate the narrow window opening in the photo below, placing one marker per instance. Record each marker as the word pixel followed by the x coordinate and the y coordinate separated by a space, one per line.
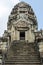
pixel 22 11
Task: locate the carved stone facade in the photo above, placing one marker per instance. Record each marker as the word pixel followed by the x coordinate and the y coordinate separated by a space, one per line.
pixel 22 38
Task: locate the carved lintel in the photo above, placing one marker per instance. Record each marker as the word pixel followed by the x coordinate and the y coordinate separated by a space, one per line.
pixel 21 24
pixel 22 28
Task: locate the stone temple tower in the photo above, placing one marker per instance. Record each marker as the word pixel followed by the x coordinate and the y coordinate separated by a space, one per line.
pixel 22 43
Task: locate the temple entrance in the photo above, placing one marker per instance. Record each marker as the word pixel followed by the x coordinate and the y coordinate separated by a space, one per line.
pixel 22 35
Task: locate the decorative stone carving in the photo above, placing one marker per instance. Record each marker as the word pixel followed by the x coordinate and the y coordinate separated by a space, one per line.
pixel 21 24
pixel 26 11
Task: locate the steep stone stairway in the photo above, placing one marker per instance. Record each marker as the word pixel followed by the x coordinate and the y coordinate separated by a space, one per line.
pixel 22 54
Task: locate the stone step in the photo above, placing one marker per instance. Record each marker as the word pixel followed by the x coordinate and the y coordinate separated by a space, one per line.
pixel 21 62
pixel 23 54
pixel 21 51
pixel 25 64
pixel 24 57
pixel 28 57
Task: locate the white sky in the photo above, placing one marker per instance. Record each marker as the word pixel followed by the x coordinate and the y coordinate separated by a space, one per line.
pixel 5 9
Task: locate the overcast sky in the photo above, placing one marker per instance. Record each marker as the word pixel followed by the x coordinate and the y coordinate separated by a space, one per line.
pixel 7 5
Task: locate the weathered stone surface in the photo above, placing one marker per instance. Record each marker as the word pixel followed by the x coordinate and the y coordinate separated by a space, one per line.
pixel 22 53
pixel 22 43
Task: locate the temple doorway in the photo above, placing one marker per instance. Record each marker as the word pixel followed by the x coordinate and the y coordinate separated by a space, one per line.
pixel 22 35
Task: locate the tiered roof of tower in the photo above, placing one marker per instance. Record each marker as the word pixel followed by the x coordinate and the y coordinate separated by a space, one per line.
pixel 22 8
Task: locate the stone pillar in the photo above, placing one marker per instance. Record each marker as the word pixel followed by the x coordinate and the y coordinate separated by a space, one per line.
pixel 17 35
pixel 40 44
pixel 26 35
pixel 13 33
pixel 29 36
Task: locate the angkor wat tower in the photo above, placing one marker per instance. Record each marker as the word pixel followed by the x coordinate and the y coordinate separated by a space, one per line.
pixel 22 43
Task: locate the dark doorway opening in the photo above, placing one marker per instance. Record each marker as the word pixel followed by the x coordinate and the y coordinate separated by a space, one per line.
pixel 22 35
